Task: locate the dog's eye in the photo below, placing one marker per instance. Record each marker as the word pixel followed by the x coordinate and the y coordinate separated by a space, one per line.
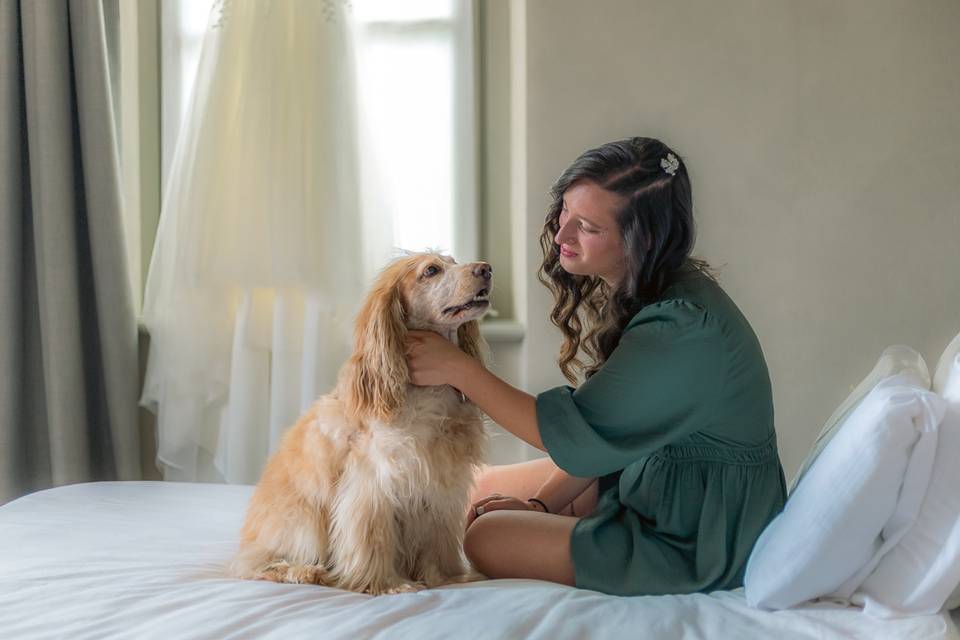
pixel 432 270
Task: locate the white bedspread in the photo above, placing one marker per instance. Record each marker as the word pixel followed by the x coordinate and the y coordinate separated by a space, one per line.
pixel 145 560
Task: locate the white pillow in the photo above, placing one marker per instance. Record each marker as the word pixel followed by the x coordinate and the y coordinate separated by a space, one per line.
pixel 894 360
pixel 869 480
pixel 918 575
pixel 945 365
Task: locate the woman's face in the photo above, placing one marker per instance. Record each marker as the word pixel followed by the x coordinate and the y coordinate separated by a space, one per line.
pixel 589 238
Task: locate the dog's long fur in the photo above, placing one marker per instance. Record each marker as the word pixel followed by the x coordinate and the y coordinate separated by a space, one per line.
pixel 368 490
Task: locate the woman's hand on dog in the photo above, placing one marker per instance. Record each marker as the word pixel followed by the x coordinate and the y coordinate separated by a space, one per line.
pixel 433 360
pixel 497 502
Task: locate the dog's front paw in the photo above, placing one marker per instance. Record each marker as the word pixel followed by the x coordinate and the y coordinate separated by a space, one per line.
pixel 282 571
pixel 403 587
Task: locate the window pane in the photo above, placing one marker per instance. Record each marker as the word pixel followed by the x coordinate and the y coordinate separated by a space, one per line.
pixel 193 24
pixel 193 17
pixel 406 88
pixel 403 10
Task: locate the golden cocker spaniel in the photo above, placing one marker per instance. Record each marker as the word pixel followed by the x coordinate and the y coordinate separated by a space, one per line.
pixel 368 490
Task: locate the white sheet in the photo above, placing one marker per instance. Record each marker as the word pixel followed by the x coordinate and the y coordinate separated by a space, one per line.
pixel 145 560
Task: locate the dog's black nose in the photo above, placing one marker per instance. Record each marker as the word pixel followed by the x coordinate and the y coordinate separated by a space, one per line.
pixel 483 270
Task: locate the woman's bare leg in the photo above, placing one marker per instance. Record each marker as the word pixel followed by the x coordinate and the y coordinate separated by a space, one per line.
pixel 522 544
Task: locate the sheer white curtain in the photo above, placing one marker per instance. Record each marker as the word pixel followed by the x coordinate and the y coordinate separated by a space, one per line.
pixel 258 264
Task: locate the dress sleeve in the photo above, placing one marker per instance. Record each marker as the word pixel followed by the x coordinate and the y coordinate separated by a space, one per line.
pixel 658 386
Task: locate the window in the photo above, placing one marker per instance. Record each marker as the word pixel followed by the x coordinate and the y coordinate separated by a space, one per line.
pixel 182 26
pixel 415 86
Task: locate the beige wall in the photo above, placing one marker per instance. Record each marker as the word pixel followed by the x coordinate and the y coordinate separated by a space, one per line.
pixel 823 141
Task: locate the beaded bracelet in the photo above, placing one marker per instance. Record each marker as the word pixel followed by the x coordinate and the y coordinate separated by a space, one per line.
pixel 539 502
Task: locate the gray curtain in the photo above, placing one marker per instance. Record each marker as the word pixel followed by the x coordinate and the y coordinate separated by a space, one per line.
pixel 68 340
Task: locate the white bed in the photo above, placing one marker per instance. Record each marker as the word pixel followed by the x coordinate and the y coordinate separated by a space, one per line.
pixel 145 560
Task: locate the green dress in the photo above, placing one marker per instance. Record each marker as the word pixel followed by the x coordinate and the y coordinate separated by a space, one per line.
pixel 678 427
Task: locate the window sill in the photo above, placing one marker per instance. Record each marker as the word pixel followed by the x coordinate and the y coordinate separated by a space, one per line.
pixel 502 331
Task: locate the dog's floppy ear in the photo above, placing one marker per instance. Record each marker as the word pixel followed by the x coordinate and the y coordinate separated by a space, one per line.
pixel 379 374
pixel 470 341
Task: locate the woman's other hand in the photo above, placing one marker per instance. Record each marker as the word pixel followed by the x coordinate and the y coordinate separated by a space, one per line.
pixel 497 502
pixel 433 360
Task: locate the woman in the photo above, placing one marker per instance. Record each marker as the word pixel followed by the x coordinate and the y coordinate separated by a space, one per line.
pixel 663 467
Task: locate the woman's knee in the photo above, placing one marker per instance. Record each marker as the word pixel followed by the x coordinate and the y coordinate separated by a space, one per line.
pixel 517 544
pixel 485 542
pixel 479 543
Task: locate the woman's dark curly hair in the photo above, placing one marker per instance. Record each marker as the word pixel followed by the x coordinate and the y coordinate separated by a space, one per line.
pixel 656 224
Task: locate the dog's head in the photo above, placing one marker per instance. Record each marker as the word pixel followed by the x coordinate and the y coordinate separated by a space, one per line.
pixel 418 291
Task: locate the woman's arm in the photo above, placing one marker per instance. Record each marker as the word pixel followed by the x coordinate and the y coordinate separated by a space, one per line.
pixel 511 408
pixel 560 489
pixel 432 360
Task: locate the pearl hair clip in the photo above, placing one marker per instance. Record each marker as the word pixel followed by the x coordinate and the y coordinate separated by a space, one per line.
pixel 670 164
